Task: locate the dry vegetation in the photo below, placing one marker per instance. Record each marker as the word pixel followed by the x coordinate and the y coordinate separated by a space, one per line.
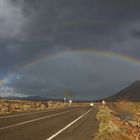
pixel 133 109
pixel 113 127
pixel 11 106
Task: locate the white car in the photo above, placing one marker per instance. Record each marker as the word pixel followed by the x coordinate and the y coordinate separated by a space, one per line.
pixel 91 104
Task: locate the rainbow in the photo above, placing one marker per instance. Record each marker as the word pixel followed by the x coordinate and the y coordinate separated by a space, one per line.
pixel 75 53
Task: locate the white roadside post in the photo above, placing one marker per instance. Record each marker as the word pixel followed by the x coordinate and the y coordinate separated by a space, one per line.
pixel 64 100
pixel 70 102
pixel 103 103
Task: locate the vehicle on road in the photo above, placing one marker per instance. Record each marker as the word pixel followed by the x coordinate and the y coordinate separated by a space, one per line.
pixel 91 104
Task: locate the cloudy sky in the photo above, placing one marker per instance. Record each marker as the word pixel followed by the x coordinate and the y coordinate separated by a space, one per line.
pixel 48 48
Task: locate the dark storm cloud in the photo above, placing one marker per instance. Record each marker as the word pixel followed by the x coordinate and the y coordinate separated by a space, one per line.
pixel 83 24
pixel 136 33
pixel 87 74
pixel 31 28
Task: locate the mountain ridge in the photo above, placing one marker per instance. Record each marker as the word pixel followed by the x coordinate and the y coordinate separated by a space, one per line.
pixel 130 93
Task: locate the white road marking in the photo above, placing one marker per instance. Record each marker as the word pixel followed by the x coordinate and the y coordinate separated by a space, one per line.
pixel 53 136
pixel 18 124
pixel 23 114
pixel 11 116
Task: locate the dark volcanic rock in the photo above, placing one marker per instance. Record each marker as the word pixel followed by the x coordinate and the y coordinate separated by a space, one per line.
pixel 130 93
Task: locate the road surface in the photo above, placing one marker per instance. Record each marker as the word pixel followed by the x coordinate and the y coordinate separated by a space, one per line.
pixel 60 124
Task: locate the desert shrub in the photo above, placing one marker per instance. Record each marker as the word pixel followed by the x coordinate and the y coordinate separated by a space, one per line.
pixel 107 129
pixel 115 135
pixel 104 115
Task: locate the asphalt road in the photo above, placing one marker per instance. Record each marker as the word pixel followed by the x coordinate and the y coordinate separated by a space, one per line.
pixel 60 124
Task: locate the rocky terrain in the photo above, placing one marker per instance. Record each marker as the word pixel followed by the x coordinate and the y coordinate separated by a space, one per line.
pixel 11 106
pixel 120 117
pixel 119 122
